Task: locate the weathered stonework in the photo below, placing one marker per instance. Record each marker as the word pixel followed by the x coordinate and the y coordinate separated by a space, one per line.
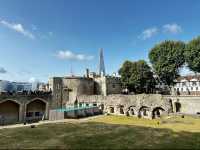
pixel 185 104
pixel 14 108
pixel 143 105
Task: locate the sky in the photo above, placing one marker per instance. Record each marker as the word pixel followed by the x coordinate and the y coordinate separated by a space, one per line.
pixel 44 38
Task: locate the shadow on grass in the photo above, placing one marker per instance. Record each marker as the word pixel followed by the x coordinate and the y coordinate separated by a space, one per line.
pixel 94 135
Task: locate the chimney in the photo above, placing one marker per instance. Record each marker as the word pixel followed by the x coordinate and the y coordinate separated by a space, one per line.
pixel 87 73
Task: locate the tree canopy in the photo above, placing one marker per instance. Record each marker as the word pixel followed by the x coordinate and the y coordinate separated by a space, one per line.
pixel 137 76
pixel 192 54
pixel 166 59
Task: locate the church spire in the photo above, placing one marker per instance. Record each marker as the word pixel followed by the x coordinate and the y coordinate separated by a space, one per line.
pixel 101 63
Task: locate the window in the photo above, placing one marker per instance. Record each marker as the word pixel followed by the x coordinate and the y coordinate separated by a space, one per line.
pixel 197 88
pixel 183 84
pixel 194 83
pixel 182 89
pixel 29 114
pixel 87 105
pixel 191 88
pixel 37 114
pixel 94 104
pixel 80 104
pixel 113 86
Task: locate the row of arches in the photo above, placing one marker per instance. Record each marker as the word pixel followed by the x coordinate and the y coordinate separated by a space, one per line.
pixel 142 112
pixel 11 111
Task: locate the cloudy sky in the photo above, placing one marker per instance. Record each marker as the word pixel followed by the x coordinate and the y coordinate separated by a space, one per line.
pixel 43 38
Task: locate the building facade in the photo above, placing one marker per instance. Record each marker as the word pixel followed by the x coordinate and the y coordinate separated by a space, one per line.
pixel 187 85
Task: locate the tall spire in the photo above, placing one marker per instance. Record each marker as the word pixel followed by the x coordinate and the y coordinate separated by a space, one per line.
pixel 101 63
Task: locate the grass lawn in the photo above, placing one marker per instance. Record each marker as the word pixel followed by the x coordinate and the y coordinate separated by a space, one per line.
pixel 107 132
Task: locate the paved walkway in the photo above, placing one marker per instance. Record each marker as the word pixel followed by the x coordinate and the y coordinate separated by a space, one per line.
pixel 50 122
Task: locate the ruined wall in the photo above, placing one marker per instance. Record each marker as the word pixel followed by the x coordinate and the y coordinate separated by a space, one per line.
pixel 123 104
pixel 185 104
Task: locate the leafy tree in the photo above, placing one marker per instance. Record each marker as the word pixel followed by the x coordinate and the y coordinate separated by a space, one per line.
pixel 192 54
pixel 137 76
pixel 167 58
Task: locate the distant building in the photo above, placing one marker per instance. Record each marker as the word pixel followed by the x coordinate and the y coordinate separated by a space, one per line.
pixel 21 86
pixel 188 85
pixel 7 86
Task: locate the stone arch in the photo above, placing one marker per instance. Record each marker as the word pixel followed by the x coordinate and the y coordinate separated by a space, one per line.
pixel 157 112
pixel 121 109
pixel 36 110
pixel 171 106
pixel 144 112
pixel 10 111
pixel 132 111
pixel 111 109
pixel 101 107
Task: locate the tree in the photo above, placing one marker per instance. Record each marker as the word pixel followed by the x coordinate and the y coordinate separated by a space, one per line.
pixel 192 54
pixel 166 59
pixel 137 76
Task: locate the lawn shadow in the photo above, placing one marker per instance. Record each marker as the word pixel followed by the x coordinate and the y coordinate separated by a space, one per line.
pixel 93 135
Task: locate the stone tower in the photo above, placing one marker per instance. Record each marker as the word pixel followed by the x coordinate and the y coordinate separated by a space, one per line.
pixel 102 71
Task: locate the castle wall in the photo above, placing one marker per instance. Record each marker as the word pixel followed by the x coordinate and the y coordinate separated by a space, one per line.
pixel 185 104
pixel 14 108
pixel 107 85
pixel 78 86
pixel 143 105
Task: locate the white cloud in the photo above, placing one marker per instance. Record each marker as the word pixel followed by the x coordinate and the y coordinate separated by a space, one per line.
pixel 172 28
pixel 68 55
pixel 148 33
pixel 18 28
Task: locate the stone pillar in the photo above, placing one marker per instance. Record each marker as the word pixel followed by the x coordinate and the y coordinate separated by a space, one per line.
pixel 21 113
pixel 47 111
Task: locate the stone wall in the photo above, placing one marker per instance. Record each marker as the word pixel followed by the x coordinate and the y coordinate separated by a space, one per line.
pixel 185 104
pixel 106 85
pixel 24 103
pixel 78 86
pixel 142 105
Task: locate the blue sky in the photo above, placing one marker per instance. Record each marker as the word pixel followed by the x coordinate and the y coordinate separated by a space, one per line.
pixel 43 38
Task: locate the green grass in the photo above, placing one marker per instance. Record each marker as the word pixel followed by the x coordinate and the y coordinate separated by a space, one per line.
pixel 107 132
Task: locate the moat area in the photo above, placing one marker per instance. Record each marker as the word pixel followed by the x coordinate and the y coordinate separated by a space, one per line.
pixel 105 132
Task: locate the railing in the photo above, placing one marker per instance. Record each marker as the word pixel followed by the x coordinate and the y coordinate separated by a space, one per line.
pixel 68 109
pixel 25 93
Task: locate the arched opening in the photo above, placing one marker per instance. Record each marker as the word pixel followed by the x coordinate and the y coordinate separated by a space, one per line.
pixel 121 109
pixel 131 111
pixel 9 112
pixel 171 106
pixel 101 107
pixel 35 110
pixel 157 112
pixel 111 110
pixel 178 106
pixel 143 111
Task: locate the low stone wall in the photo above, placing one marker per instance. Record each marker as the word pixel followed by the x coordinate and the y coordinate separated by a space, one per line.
pixel 142 105
pixel 77 113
